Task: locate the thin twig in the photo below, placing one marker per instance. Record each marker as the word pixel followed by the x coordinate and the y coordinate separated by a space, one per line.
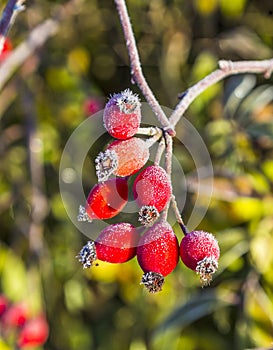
pixel 7 16
pixel 168 166
pixel 152 140
pixel 136 70
pixel 178 215
pixel 226 69
pixel 39 203
pixel 37 38
pixel 159 152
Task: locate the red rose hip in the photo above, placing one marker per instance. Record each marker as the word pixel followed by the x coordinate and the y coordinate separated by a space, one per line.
pixel 3 304
pixel 105 200
pixel 5 48
pixel 157 255
pixel 116 244
pixel 122 115
pixel 152 191
pixel 199 251
pixel 16 315
pixel 122 158
pixel 34 333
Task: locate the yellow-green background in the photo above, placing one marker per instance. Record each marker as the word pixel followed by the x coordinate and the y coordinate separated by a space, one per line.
pixel 180 41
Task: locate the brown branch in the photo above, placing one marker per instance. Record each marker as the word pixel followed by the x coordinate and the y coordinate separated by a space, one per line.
pixel 136 70
pixel 226 68
pixel 7 17
pixel 37 38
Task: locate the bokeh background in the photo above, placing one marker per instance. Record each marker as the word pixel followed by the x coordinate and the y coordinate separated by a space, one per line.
pixel 62 84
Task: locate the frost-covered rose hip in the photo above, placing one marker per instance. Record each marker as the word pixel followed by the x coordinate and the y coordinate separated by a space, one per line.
pixel 157 255
pixel 132 155
pixel 122 158
pixel 122 115
pixel 152 191
pixel 16 315
pixel 199 250
pixel 116 244
pixel 105 200
pixel 34 333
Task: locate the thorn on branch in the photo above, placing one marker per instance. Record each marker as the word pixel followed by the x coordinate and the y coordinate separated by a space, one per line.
pixel 225 65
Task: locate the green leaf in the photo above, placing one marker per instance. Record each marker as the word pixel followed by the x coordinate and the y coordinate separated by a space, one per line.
pixel 14 275
pixel 200 305
pixel 3 345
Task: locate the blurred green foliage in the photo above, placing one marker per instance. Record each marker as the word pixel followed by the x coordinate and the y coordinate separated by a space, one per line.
pixel 105 308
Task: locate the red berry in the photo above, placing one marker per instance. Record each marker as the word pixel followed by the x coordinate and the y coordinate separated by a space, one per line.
pixel 116 244
pixel 152 190
pixel 122 158
pixel 132 155
pixel 92 105
pixel 3 304
pixel 199 250
pixel 122 115
pixel 157 254
pixel 105 200
pixel 7 47
pixel 16 315
pixel 34 333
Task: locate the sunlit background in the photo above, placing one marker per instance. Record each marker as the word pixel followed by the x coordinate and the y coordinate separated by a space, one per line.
pixel 68 79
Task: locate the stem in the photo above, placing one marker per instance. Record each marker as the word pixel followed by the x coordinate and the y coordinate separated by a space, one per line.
pixel 226 68
pixel 152 140
pixel 149 131
pixel 178 215
pixel 135 65
pixel 159 152
pixel 168 166
pixel 169 152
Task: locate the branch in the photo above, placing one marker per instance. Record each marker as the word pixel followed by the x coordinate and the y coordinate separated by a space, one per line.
pixel 168 166
pixel 39 203
pixel 160 150
pixel 36 39
pixel 9 14
pixel 172 201
pixel 135 65
pixel 7 17
pixel 226 68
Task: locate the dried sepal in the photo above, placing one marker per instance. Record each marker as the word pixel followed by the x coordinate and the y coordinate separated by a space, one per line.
pixel 126 101
pixel 153 281
pixel 87 255
pixel 205 269
pixel 106 164
pixel 148 214
pixel 83 216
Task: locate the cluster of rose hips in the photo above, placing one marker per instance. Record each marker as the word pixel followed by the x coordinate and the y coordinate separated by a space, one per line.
pixel 157 249
pixel 17 326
